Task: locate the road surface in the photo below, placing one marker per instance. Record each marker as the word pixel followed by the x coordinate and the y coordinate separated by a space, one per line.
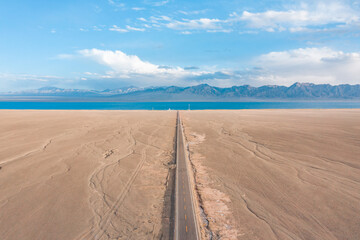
pixel 186 224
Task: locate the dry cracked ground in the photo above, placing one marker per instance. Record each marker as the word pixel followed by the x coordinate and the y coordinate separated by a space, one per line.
pixel 259 174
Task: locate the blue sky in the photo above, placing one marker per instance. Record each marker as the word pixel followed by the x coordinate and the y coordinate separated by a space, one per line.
pixel 98 44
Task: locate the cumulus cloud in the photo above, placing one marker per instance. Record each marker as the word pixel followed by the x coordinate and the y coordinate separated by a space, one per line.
pixel 132 69
pixel 121 62
pixel 316 65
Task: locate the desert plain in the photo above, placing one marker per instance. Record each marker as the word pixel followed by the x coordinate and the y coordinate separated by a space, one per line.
pixel 277 174
pixel 84 174
pixel 259 174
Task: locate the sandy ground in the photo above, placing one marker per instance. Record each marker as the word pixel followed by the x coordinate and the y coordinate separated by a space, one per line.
pixel 277 174
pixel 84 174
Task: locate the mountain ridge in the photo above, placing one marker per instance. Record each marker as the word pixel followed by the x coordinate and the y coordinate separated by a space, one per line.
pixel 202 92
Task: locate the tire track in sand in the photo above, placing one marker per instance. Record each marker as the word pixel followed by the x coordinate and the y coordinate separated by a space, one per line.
pixel 98 190
pixel 106 219
pixel 102 228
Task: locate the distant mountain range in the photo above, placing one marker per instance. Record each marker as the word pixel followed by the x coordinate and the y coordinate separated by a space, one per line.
pixel 203 92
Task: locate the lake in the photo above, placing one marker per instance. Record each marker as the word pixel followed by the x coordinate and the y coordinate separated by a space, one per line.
pixel 175 105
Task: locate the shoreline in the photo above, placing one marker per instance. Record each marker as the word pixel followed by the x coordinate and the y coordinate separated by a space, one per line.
pixel 172 110
pixel 182 106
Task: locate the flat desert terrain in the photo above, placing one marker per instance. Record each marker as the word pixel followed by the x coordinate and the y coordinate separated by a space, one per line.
pixel 259 174
pixel 277 174
pixel 84 174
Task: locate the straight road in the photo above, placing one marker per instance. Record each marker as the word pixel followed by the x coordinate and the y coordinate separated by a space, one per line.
pixel 185 222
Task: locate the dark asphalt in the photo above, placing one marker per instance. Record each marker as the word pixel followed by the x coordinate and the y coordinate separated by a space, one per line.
pixel 185 226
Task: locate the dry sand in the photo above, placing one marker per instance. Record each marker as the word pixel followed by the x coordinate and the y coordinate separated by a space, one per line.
pixel 277 174
pixel 260 174
pixel 84 174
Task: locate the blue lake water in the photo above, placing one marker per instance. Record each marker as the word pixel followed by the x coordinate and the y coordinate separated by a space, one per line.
pixel 175 105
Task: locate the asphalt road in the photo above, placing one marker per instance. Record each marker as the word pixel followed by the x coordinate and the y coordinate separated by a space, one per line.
pixel 185 222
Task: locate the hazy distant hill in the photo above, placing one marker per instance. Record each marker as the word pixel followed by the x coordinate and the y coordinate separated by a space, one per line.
pixel 203 92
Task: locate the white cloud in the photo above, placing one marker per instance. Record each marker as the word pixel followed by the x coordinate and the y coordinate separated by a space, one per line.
pixel 184 24
pixel 312 16
pixel 154 19
pixel 116 3
pixel 187 26
pixel 160 3
pixel 118 29
pixel 316 65
pixel 138 8
pixel 98 28
pixel 9 81
pixel 32 77
pixel 195 12
pixel 298 18
pixel 125 64
pixel 133 70
pixel 202 23
pixel 219 30
pixel 128 28
pixel 64 56
pixel 135 29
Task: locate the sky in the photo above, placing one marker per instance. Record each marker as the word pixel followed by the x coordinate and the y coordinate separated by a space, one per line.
pixel 101 44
